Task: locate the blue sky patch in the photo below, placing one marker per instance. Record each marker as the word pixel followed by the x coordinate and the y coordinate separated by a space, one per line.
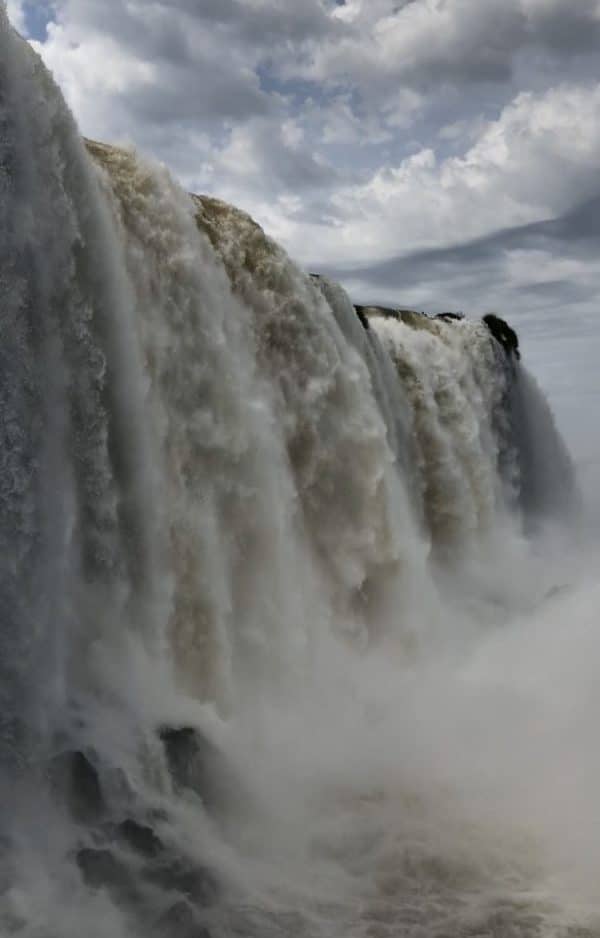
pixel 38 14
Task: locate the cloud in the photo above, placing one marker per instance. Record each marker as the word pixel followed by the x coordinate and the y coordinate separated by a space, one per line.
pixel 550 264
pixel 272 156
pixel 164 69
pixel 359 132
pixel 566 28
pixel 534 162
pixel 425 43
pixel 422 43
pixel 16 14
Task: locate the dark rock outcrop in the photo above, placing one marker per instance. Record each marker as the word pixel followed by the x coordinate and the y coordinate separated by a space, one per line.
pixel 388 312
pixel 448 317
pixel 360 312
pixel 140 838
pixel 179 920
pixel 191 759
pixel 100 869
pixel 504 334
pixel 75 779
pixel 411 317
pixel 191 880
pixel 196 764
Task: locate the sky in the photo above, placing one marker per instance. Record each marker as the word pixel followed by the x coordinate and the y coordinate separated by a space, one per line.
pixel 439 154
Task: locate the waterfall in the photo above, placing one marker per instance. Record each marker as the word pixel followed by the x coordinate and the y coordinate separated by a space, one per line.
pixel 257 551
pixel 77 557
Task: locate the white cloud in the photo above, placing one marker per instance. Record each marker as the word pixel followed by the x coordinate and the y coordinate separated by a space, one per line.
pixel 126 67
pixel 535 161
pixel 16 15
pixel 353 132
pixel 522 265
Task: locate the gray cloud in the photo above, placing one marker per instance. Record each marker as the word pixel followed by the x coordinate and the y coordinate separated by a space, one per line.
pixel 184 96
pixel 570 29
pixel 480 275
pixel 460 138
pixel 427 44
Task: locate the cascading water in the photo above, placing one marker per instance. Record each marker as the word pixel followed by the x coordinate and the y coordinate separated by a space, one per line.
pixel 274 588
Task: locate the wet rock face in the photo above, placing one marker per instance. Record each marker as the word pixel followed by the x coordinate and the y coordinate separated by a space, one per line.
pixel 448 317
pixel 504 334
pixel 388 312
pixel 73 775
pixel 179 920
pixel 118 847
pixel 140 838
pixel 196 764
pixel 177 875
pixel 191 758
pixel 360 312
pixel 183 891
pixel 100 869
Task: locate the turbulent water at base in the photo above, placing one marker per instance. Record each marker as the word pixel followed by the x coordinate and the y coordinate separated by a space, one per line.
pixel 296 633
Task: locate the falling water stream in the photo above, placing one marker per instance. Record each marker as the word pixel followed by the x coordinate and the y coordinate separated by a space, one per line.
pixel 298 632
